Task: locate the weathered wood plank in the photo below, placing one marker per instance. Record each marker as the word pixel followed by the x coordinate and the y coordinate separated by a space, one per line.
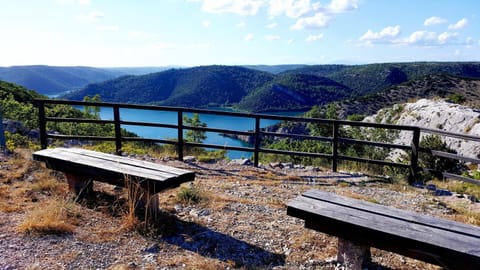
pixel 113 166
pixel 393 212
pixel 113 169
pixel 433 240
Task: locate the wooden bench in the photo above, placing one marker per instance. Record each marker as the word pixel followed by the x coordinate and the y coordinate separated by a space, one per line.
pixel 360 225
pixel 82 166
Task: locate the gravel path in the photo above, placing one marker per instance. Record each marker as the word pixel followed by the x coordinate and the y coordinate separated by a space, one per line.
pixel 242 224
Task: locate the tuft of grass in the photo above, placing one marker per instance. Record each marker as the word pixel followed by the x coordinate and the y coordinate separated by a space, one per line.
pixel 43 181
pixel 458 187
pixel 56 216
pixel 190 195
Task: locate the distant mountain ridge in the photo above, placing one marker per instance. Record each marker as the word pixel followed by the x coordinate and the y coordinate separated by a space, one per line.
pixel 253 90
pixel 50 80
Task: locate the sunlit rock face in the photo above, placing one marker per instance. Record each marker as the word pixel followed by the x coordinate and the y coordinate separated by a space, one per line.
pixel 435 114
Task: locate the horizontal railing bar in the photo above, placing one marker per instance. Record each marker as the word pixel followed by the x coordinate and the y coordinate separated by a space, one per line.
pixel 148 124
pixel 79 120
pixel 219 130
pixel 297 136
pixel 461 178
pixel 450 155
pixel 374 161
pixel 376 125
pixel 451 134
pixel 80 137
pixel 378 144
pixel 139 139
pixel 237 114
pixel 285 152
pixel 223 147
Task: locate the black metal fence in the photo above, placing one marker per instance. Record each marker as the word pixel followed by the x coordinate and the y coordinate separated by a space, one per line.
pixel 258 134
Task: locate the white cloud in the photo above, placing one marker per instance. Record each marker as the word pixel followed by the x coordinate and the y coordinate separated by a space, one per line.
pixel 339 6
pixel 206 23
pixel 459 25
pixel 421 38
pixel 319 20
pixel 469 41
pixel 291 8
pixel 272 25
pixel 386 34
pixel 445 37
pixel 434 20
pixel 272 38
pixel 93 16
pixel 249 37
pixel 241 7
pixel 312 38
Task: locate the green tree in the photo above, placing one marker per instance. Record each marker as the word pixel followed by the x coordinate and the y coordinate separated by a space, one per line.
pixel 196 136
pixel 92 110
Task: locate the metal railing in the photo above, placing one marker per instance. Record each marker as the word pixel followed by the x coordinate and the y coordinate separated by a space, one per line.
pixel 258 134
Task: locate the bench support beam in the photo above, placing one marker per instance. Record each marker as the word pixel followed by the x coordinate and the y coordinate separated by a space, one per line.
pixel 79 185
pixel 352 255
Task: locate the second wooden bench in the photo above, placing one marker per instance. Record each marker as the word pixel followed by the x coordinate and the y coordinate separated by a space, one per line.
pixel 360 225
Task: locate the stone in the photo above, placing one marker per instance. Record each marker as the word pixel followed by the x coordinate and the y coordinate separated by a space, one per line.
pixel 240 161
pixel 189 159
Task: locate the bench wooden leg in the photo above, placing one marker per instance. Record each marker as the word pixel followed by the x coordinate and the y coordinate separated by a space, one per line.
pixel 152 209
pixel 79 185
pixel 352 255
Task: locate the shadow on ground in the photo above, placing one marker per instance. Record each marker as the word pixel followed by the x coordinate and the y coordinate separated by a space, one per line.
pixel 209 243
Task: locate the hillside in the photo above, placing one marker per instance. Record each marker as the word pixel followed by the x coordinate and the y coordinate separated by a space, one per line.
pixel 372 78
pixel 430 86
pixel 254 90
pixel 213 86
pixel 50 80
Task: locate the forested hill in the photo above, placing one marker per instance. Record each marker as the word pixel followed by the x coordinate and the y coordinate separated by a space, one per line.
pixel 255 90
pixel 371 78
pixel 461 90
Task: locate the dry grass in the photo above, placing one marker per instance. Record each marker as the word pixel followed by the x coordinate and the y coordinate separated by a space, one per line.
pixel 55 216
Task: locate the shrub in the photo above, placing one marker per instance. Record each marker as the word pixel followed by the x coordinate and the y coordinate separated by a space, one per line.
pixel 189 195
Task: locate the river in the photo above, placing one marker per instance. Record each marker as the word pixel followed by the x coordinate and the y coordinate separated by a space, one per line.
pixel 212 121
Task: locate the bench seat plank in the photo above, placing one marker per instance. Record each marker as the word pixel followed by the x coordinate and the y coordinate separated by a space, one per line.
pixel 113 169
pixel 430 239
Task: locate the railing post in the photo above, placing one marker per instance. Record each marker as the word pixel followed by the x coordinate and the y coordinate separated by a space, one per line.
pixel 3 146
pixel 413 175
pixel 42 124
pixel 257 141
pixel 118 130
pixel 335 146
pixel 180 135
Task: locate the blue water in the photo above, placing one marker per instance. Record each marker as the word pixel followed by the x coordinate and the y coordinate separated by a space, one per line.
pixel 212 121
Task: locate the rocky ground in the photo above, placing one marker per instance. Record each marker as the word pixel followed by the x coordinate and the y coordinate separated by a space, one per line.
pixel 240 224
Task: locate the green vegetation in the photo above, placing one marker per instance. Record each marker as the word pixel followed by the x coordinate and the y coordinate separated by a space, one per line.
pixel 253 90
pixel 189 195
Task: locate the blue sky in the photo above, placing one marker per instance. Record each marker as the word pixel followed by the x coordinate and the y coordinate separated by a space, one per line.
pixel 111 33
